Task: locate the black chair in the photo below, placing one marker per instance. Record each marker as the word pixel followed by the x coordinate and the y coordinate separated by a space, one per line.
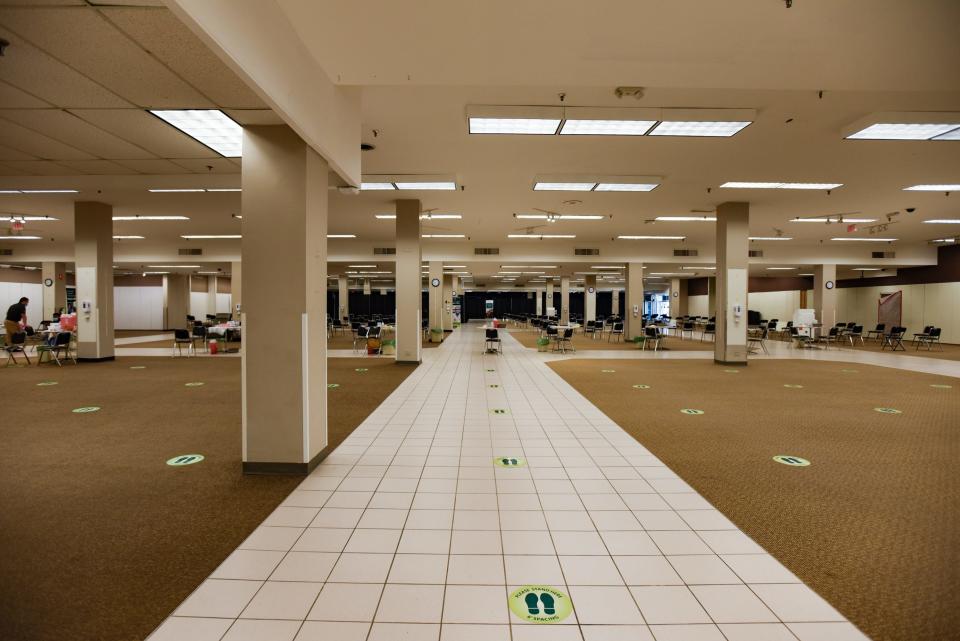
pixel 590 328
pixel 709 328
pixel 894 340
pixel 492 342
pixel 375 333
pixel 758 339
pixel 686 329
pixel 360 335
pixel 855 333
pixel 182 337
pixel 565 340
pixel 199 334
pixel 15 345
pixel 616 331
pixel 924 334
pixel 60 345
pixel 932 338
pixel 652 336
pixel 878 332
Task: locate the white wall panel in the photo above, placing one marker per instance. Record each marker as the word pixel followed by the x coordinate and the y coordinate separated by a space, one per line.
pixel 10 293
pixel 223 304
pixel 779 305
pixel 697 305
pixel 138 307
pixel 198 305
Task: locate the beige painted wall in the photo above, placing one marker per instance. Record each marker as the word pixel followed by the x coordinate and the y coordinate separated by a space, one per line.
pixel 932 304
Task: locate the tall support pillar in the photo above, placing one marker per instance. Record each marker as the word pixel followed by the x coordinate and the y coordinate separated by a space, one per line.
pixel 435 294
pixel 711 296
pixel 824 295
pixel 539 301
pixel 212 295
pixel 733 230
pixel 236 305
pixel 55 295
pixel 550 303
pixel 176 300
pixel 447 296
pixel 93 256
pixel 408 294
pixel 615 302
pixel 343 297
pixel 633 310
pixel 564 300
pixel 678 297
pixel 589 298
pixel 284 383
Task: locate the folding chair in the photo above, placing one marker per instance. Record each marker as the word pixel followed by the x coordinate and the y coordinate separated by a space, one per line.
pixel 182 337
pixel 15 345
pixel 61 343
pixel 616 331
pixel 374 333
pixel 360 336
pixel 686 329
pixel 492 342
pixel 565 340
pixel 199 334
pixel 924 334
pixel 894 339
pixel 758 339
pixel 856 332
pixel 709 328
pixel 932 338
pixel 878 332
pixel 653 337
pixel 833 336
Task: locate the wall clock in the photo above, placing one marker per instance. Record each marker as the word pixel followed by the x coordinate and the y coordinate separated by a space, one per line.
pixel 828 284
pixel 591 290
pixel 48 282
pixel 435 282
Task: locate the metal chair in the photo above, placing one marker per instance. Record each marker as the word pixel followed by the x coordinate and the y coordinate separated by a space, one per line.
pixel 14 346
pixel 199 334
pixel 653 336
pixel 878 332
pixel 492 342
pixel 616 331
pixel 182 337
pixel 924 334
pixel 932 338
pixel 686 329
pixel 855 333
pixel 61 343
pixel 758 339
pixel 894 339
pixel 565 340
pixel 709 328
pixel 360 336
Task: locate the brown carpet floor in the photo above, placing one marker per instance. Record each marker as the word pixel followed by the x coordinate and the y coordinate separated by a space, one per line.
pixel 528 338
pixel 873 524
pixel 99 539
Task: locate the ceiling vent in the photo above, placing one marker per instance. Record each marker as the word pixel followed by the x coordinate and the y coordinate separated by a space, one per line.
pixel 756 253
pixel 486 251
pixel 6 252
pixel 190 251
pixel 384 251
pixel 685 252
pixel 883 254
pixel 586 251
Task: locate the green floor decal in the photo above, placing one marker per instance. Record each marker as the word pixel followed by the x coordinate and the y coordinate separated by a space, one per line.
pixel 732 371
pixel 510 461
pixel 887 410
pixel 194 384
pixel 691 412
pixel 608 371
pixel 939 386
pixel 641 387
pixel 494 386
pixel 499 411
pixel 361 369
pixel 540 604
pixel 795 461
pixel 792 386
pixel 46 383
pixel 138 367
pixel 86 410
pixel 185 459
pixel 333 385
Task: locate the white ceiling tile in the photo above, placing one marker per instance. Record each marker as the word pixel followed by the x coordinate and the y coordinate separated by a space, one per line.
pixel 6 170
pixel 146 130
pixel 13 98
pixel 6 153
pixel 154 166
pixel 203 166
pixel 97 167
pixel 33 3
pixel 26 67
pixel 166 37
pixel 255 116
pixel 36 144
pixel 94 47
pixel 38 167
pixel 70 129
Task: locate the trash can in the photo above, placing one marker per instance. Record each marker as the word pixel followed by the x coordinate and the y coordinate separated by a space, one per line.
pixel 212 346
pixel 373 345
pixel 389 347
pixel 543 344
pixel 436 335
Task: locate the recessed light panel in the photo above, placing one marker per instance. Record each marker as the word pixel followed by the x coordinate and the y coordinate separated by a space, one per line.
pixel 521 126
pixel 20 237
pixel 210 236
pixel 543 186
pixel 749 185
pixel 541 236
pixel 128 237
pixel 606 127
pixel 652 237
pixel 833 219
pixel 27 219
pixel 341 235
pixel 866 240
pixel 954 187
pixel 903 131
pixel 943 221
pixel 210 127
pixel 376 186
pixel 442 236
pixel 771 238
pixel 758 185
pixel 625 187
pixel 702 129
pixel 432 186
pixel 686 219
pixel 151 218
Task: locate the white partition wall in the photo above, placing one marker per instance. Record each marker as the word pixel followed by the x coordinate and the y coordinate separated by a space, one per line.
pixel 138 307
pixel 11 293
pixel 223 304
pixel 198 305
pixel 779 305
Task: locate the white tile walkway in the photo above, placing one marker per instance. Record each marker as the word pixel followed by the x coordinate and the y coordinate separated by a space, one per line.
pixel 409 531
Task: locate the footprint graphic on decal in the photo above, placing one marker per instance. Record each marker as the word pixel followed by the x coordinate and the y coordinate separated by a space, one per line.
pixel 547 601
pixel 533 603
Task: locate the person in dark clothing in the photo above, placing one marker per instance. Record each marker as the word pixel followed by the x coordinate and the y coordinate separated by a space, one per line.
pixel 16 318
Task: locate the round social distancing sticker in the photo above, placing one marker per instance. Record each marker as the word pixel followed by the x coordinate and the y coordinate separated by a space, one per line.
pixel 849 371
pixel 491 370
pixel 193 384
pixel 540 604
pixel 185 459
pixel 138 367
pixel 493 386
pixel 887 410
pixel 333 385
pixel 793 386
pixel 608 371
pixel 46 383
pixel 361 369
pixel 732 371
pixel 641 387
pixel 510 461
pixel 86 410
pixel 691 412
pixel 941 386
pixel 499 411
pixel 795 461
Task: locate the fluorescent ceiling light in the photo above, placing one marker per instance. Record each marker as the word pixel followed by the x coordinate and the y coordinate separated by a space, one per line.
pixel 385 216
pixel 625 187
pixel 686 219
pixel 174 266
pixel 698 267
pixel 223 189
pixel 954 187
pixel 9 191
pixel 376 186
pixel 867 240
pixel 151 218
pixel 770 238
pixel 454 266
pixel 606 127
pixel 213 274
pixel 867 269
pixel 804 274
pixel 49 191
pixel 606 267
pixel 522 126
pixel 210 127
pixel 944 240
pixel 341 235
pixel 833 219
pixel 210 236
pixel 528 266
pixel 781 268
pixel 362 266
pixel 128 237
pixel 666 274
pixel 579 186
pixel 560 216
pixel 904 131
pixel 177 191
pixel 651 237
pixel 952 135
pixel 442 236
pixel 943 221
pixel 448 186
pixel 541 236
pixel 755 185
pixel 693 128
pixel 3 238
pixel 27 219
pixel 440 216
pixel 154 273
